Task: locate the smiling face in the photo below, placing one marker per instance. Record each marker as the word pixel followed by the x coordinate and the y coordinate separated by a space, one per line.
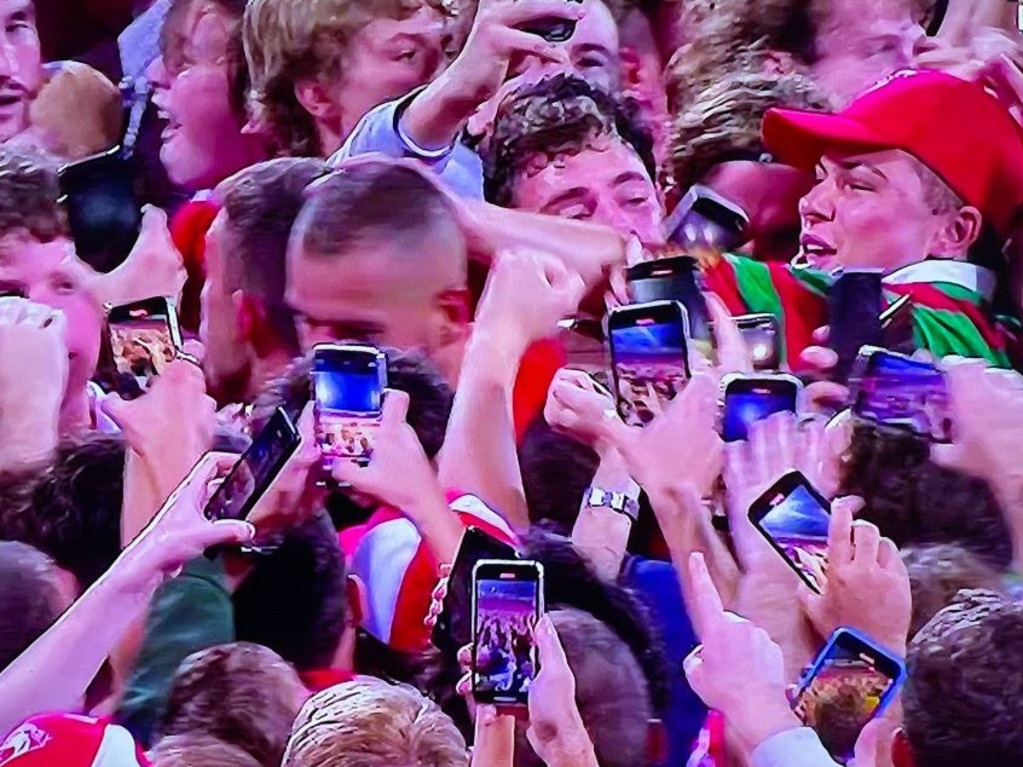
pixel 21 70
pixel 869 211
pixel 605 183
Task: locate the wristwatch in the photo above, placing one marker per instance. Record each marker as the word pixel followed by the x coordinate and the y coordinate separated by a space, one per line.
pixel 626 503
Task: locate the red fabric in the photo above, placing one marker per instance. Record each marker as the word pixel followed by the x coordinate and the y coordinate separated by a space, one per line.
pixel 952 126
pixel 188 230
pixel 65 740
pixel 321 679
pixel 803 312
pixel 536 372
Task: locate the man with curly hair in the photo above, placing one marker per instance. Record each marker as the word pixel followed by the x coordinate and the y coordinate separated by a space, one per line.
pixel 564 148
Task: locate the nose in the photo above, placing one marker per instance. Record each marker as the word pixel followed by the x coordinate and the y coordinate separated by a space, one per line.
pixel 818 204
pixel 8 59
pixel 156 73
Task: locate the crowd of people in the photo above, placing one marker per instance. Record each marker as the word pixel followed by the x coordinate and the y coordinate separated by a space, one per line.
pixel 464 185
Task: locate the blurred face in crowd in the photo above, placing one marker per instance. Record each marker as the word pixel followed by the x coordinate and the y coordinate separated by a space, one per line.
pixel 605 183
pixel 21 69
pixel 868 211
pixel 863 42
pixel 50 273
pixel 202 142
pixel 769 193
pixel 226 353
pixel 387 59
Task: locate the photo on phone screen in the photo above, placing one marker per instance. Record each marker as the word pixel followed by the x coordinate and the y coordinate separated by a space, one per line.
pixel 705 221
pixel 453 629
pixel 675 279
pixel 850 683
pixel 507 603
pixel 854 318
pixel 760 334
pixel 144 339
pixel 903 393
pixel 348 386
pixel 794 518
pixel 649 357
pixel 748 399
pixel 255 470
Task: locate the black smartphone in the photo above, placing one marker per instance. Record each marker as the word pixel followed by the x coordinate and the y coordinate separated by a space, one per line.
pixel 748 399
pixel 649 357
pixel 854 318
pixel 348 383
pixel 256 469
pixel 552 29
pixel 903 393
pixel 144 339
pixel 675 279
pixel 794 518
pixel 453 629
pixel 507 601
pixel 852 680
pixel 99 196
pixel 705 221
pixel 761 334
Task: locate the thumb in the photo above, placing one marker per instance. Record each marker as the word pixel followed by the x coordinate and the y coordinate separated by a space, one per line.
pixel 395 409
pixel 118 409
pixel 154 221
pixel 948 456
pixel 227 532
pixel 875 739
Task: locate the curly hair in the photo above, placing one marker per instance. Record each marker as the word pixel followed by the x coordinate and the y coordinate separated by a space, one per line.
pixel 557 116
pixel 286 41
pixel 722 122
pixel 961 703
pixel 29 191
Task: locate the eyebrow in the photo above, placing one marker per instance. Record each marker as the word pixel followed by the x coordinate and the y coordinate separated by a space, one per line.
pixel 856 165
pixel 595 48
pixel 627 177
pixel 575 193
pixel 22 11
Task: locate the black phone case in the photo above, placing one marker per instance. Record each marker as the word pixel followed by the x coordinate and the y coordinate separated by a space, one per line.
pixel 854 319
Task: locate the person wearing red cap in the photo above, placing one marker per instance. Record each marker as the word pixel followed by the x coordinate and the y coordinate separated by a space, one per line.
pixel 919 178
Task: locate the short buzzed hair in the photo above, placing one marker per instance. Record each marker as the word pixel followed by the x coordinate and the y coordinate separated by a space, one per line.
pixel 262 203
pixel 371 723
pixel 370 202
pixel 29 191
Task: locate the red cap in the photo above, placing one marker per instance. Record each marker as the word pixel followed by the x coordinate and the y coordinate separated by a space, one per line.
pixel 952 126
pixel 65 740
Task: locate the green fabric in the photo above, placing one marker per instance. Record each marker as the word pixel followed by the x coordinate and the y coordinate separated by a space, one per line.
pixel 188 614
pixel 942 332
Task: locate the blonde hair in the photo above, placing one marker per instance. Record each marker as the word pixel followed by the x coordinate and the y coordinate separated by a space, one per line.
pixel 290 40
pixel 77 113
pixel 370 723
pixel 199 751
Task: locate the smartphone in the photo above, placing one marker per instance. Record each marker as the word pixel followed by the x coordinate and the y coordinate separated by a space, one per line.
pixel 854 319
pixel 649 357
pixel 144 339
pixel 898 391
pixel 348 383
pixel 760 333
pixel 552 29
pixel 255 470
pixel 850 682
pixel 507 601
pixel 748 399
pixel 794 518
pixel 705 221
pixel 453 629
pixel 100 198
pixel 675 279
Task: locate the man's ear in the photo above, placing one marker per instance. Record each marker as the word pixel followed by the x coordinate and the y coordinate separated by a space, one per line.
pixel 356 595
pixel 315 99
pixel 455 306
pixel 958 235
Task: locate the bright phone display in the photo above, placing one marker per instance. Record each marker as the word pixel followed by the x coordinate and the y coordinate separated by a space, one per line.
pixel 850 683
pixel 255 470
pixel 507 603
pixel 760 333
pixel 348 386
pixel 903 393
pixel 649 356
pixel 794 518
pixel 675 279
pixel 144 339
pixel 748 399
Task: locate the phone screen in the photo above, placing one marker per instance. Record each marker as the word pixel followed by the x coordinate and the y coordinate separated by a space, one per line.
pixel 703 221
pixel 650 364
pixel 676 279
pixel 255 470
pixel 508 605
pixel 795 519
pixel 348 384
pixel 144 339
pixel 760 335
pixel 854 318
pixel 749 400
pixel 850 683
pixel 453 629
pixel 904 393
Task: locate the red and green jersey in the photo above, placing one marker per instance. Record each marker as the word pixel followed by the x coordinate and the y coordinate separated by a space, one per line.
pixel 950 313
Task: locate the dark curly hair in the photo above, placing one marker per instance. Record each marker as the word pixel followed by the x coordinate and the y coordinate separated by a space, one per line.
pixel 914 501
pixel 29 191
pixel 558 115
pixel 961 703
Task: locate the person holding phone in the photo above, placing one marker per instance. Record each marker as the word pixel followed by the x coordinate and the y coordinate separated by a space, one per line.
pixel 892 196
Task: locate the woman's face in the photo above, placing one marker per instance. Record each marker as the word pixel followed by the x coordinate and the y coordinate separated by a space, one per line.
pixel 203 142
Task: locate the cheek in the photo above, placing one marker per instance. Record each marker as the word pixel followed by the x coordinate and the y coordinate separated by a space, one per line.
pixel 199 101
pixel 30 68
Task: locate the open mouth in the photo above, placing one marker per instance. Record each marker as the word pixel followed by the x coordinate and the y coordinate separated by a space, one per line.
pixel 9 99
pixel 815 249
